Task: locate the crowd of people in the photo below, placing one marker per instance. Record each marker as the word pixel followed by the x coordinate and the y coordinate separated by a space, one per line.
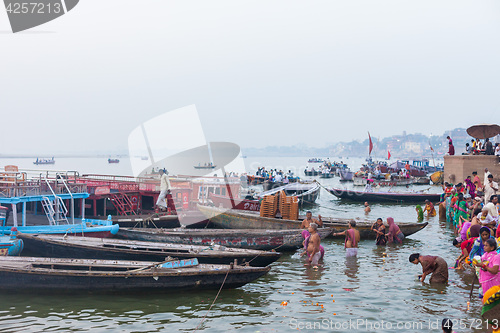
pixel 275 175
pixel 476 147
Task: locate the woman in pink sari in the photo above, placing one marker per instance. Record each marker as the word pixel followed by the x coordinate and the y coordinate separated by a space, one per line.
pixel 488 275
pixel 395 235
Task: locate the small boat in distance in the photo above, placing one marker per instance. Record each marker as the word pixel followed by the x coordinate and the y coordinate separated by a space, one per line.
pixel 206 166
pixel 315 160
pixel 44 161
pixel 113 160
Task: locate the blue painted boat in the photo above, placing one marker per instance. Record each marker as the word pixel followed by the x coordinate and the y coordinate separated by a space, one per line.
pixel 9 245
pixel 52 193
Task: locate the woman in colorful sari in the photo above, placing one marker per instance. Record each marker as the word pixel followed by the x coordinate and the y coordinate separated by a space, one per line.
pixel 460 211
pixel 379 228
pixel 470 187
pixel 429 208
pixel 434 265
pixel 478 247
pixel 449 208
pixel 490 263
pixel 420 213
pixel 394 235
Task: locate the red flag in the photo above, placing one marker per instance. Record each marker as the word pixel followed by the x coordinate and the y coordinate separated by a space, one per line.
pixel 388 155
pixel 431 148
pixel 371 144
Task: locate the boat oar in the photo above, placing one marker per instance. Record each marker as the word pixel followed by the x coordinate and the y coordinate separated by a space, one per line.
pixel 169 259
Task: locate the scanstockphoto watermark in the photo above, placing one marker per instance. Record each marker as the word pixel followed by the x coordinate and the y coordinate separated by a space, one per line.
pixel 26 14
pixel 364 325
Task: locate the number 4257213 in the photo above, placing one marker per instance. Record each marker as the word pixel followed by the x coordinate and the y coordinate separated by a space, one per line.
pixel 33 8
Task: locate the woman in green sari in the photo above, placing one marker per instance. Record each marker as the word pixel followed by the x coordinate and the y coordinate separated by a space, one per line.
pixel 461 213
pixel 420 213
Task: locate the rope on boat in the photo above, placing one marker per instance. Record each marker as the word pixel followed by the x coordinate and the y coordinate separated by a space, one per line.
pixel 210 308
pixel 277 247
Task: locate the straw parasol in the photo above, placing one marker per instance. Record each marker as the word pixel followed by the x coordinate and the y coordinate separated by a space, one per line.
pixel 483 131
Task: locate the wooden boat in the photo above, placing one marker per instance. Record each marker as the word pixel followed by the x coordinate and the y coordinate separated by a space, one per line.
pixel 264 240
pixel 394 197
pixel 346 175
pixel 113 160
pixel 119 249
pixel 269 185
pixel 255 180
pixel 49 275
pixel 306 192
pixel 359 181
pixel 59 219
pixel 10 245
pixel 234 219
pixel 326 175
pixel 210 166
pixel 44 161
pixel 242 204
pixel 421 181
pixel 311 172
pixel 437 177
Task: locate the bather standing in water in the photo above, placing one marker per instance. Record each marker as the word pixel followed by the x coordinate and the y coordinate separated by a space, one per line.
pixel 309 219
pixel 379 229
pixel 312 246
pixel 352 238
pixel 395 235
pixel 367 208
pixel 434 265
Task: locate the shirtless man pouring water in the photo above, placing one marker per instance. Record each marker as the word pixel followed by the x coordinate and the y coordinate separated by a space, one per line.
pixel 309 219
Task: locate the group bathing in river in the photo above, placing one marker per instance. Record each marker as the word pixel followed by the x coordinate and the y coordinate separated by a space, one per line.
pixel 471 209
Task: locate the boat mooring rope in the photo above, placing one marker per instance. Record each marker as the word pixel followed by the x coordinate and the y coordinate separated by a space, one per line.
pixel 210 308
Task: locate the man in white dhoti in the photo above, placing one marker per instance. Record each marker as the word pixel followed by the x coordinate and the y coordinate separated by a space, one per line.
pixel 164 190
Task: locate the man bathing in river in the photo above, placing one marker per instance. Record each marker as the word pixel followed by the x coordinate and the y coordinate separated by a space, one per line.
pixel 352 238
pixel 367 208
pixel 309 219
pixel 312 246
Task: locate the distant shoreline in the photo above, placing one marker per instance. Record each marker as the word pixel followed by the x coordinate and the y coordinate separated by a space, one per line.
pixel 64 156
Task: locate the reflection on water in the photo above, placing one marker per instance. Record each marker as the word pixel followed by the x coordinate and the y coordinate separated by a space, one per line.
pixel 351 269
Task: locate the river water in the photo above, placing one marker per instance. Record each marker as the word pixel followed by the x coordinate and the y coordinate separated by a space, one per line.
pixel 376 292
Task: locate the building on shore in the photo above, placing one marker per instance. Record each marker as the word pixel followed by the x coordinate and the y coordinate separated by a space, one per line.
pixel 458 167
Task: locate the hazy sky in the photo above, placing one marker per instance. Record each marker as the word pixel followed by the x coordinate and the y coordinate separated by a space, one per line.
pixel 259 72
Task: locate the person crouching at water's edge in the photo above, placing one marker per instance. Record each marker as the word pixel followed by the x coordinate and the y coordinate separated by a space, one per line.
pixel 434 265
